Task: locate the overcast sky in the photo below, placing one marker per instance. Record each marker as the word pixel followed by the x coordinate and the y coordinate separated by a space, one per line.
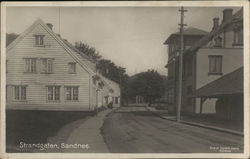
pixel 132 37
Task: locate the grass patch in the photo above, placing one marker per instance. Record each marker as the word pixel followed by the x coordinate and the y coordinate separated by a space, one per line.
pixel 36 126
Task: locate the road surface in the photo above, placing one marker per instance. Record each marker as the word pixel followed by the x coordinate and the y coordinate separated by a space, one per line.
pixel 135 130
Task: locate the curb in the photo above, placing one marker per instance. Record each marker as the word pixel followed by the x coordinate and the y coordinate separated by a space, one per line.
pixel 200 125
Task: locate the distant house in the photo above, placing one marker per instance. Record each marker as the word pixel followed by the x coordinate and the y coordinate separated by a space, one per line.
pixel 45 72
pixel 207 59
pixel 114 93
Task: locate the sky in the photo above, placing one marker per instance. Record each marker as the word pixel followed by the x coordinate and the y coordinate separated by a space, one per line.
pixel 131 37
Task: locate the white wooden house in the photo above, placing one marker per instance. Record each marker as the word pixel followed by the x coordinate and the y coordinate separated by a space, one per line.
pixel 45 72
pixel 113 94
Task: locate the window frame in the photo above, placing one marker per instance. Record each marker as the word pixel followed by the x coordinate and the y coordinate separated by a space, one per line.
pixel 53 93
pixel 28 69
pixel 20 93
pixel 41 41
pixel 71 93
pixel 69 67
pixel 218 42
pixel 47 65
pixel 210 69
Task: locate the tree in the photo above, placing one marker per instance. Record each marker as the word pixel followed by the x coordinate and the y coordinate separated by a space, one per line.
pixel 89 51
pixel 148 84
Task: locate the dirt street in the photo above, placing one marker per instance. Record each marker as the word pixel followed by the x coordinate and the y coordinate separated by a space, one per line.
pixel 135 130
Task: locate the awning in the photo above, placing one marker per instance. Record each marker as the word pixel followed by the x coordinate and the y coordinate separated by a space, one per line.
pixel 231 83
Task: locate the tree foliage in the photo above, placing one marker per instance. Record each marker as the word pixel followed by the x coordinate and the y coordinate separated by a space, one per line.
pixel 148 84
pixel 88 50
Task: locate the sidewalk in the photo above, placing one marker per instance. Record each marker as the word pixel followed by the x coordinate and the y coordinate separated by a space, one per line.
pixel 204 121
pixel 88 136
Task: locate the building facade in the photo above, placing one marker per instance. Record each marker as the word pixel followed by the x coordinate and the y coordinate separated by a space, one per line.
pixel 45 72
pixel 191 35
pixel 209 58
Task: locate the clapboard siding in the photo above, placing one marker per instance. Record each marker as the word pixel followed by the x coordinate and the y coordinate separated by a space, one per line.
pixel 37 82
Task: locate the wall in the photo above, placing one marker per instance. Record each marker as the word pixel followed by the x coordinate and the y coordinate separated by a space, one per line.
pixel 232 59
pixel 36 90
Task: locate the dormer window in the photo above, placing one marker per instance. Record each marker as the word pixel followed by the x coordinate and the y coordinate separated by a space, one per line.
pixel 218 42
pixel 39 40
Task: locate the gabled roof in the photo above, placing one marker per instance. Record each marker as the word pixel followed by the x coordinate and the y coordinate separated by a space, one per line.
pixel 83 60
pixel 192 31
pixel 85 63
pixel 204 40
pixel 231 83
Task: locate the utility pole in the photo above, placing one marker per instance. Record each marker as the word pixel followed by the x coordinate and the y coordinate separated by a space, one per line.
pixel 178 115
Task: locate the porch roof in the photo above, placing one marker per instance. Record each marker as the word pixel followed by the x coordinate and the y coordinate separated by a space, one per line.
pixel 231 83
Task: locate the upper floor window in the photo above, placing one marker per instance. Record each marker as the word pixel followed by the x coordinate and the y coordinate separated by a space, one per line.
pixel 215 64
pixel 238 37
pixel 46 65
pixel 218 42
pixel 72 93
pixel 39 40
pixel 72 67
pixel 53 93
pixel 20 93
pixel 30 65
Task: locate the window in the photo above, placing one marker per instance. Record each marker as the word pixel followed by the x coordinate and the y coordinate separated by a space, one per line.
pixel 72 93
pixel 116 100
pixel 238 37
pixel 20 93
pixel 30 65
pixel 53 93
pixel 72 67
pixel 46 65
pixel 39 40
pixel 215 64
pixel 218 42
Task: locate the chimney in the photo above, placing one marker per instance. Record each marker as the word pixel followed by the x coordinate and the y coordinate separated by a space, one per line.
pixel 50 25
pixel 216 23
pixel 227 14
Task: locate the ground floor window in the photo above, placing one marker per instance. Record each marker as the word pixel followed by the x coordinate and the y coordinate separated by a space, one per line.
pixel 116 100
pixel 20 92
pixel 53 93
pixel 71 93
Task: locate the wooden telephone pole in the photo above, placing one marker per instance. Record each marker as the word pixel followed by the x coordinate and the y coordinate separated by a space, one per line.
pixel 178 115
